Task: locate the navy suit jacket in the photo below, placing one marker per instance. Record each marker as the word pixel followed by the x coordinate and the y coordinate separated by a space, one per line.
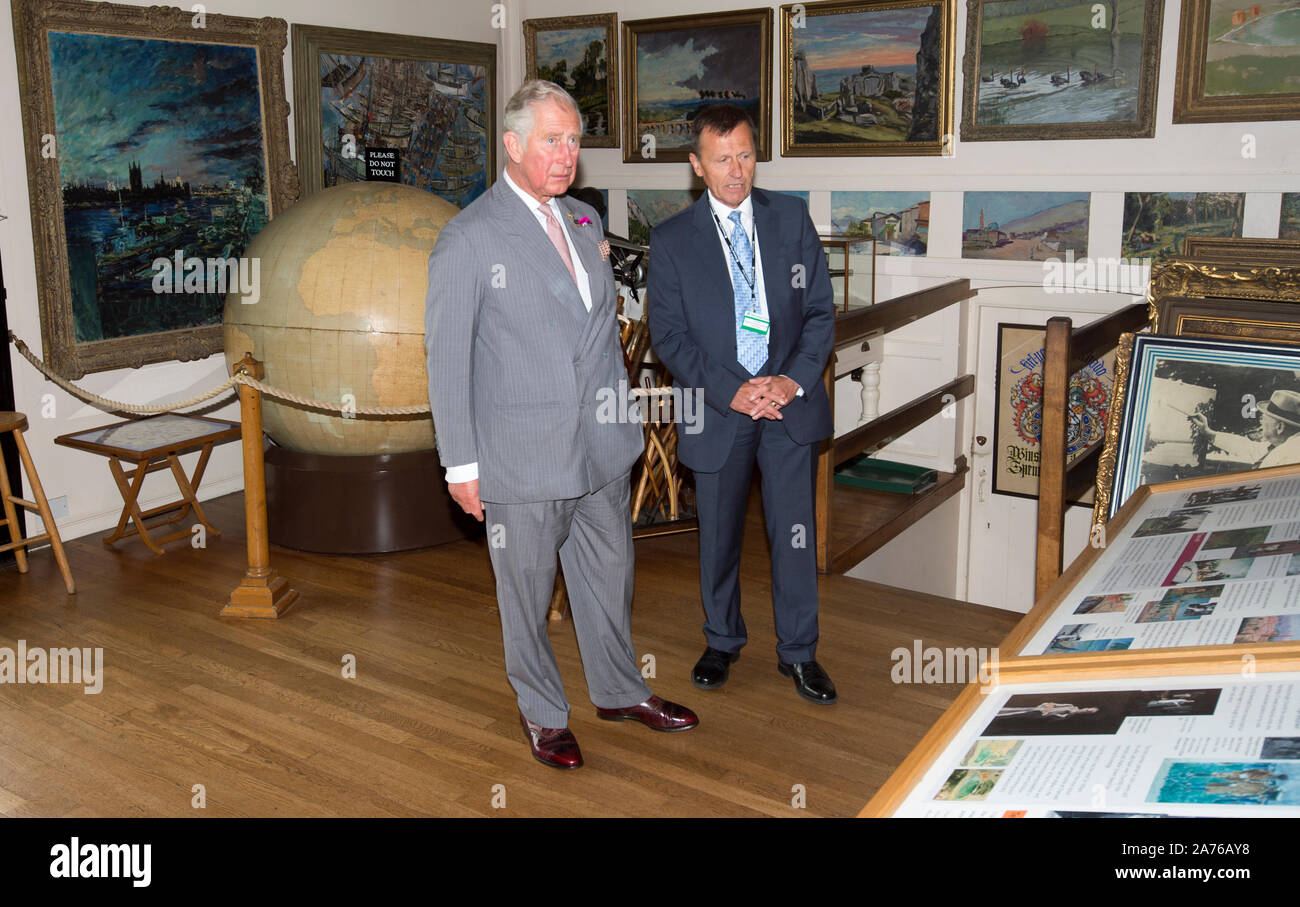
pixel 693 320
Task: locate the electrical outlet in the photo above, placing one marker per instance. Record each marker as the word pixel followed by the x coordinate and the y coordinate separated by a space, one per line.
pixel 59 506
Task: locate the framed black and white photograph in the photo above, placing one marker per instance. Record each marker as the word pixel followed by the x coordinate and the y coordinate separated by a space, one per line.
pixel 1189 406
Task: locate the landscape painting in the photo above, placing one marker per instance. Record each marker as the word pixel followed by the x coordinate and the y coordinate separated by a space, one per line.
pixel 679 65
pixel 580 54
pixel 1024 226
pixel 899 222
pixel 1060 69
pixel 866 78
pixel 1238 61
pixel 1288 226
pixel 647 208
pixel 1155 223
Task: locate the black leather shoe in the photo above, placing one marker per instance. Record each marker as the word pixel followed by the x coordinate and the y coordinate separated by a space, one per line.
pixel 811 681
pixel 712 668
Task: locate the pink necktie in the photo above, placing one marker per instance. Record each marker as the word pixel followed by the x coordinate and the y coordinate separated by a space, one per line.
pixel 557 239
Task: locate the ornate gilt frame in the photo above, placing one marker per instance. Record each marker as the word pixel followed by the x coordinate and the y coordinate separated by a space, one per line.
pixel 762 17
pixel 558 23
pixel 1213 288
pixel 310 40
pixel 1239 252
pixel 1114 419
pixel 1190 103
pixel 943 143
pixel 1143 127
pixel 33 20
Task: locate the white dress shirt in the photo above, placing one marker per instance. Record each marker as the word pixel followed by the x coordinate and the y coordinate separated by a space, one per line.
pixel 468 472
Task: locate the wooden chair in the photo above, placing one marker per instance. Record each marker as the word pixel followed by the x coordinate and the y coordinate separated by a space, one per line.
pixel 16 424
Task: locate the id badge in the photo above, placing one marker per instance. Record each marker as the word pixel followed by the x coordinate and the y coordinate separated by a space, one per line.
pixel 754 323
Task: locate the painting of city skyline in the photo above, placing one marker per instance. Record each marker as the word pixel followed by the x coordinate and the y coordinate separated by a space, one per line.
pixel 679 65
pixel 1155 223
pixel 580 54
pixel 161 151
pixel 147 141
pixel 898 222
pixel 1024 226
pixel 866 78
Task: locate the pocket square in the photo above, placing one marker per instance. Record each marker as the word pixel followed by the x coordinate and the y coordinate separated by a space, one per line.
pixel 603 246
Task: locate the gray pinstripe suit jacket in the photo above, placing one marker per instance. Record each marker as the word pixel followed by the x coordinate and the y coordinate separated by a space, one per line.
pixel 517 365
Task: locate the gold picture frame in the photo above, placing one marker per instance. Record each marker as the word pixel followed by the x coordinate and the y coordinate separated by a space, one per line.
pixel 1192 104
pixel 798 24
pixel 608 22
pixel 975 74
pixel 1212 287
pixel 755 37
pixel 1239 252
pixel 34 22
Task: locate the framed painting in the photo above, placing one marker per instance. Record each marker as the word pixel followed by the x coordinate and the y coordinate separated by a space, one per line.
pixel 675 66
pixel 1288 219
pixel 425 108
pixel 1156 224
pixel 867 78
pixel 1190 406
pixel 1018 425
pixel 1025 226
pixel 1237 62
pixel 1195 298
pixel 580 54
pixel 1040 69
pixel 897 222
pixel 1242 253
pixel 153 140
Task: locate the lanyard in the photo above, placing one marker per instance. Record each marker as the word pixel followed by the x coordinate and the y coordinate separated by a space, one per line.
pixel 751 279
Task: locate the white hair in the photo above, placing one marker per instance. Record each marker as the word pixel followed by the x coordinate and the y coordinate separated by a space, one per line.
pixel 520 109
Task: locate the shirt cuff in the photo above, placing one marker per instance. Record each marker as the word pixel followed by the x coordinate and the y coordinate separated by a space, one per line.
pixel 465 473
pixel 797 393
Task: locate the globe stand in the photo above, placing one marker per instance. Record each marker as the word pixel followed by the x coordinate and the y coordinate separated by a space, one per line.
pixel 367 504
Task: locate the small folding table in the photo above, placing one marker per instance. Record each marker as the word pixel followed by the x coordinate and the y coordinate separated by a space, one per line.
pixel 148 445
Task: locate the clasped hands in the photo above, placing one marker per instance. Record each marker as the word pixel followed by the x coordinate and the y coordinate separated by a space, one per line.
pixel 762 398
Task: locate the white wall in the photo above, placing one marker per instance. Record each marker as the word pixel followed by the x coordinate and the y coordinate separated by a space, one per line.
pixel 92 498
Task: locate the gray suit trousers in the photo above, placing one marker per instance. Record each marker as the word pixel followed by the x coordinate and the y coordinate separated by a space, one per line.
pixel 593 537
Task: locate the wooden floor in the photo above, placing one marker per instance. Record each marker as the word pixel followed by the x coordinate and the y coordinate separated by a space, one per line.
pixel 259 714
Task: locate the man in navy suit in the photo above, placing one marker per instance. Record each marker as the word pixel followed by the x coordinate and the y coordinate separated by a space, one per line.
pixel 741 307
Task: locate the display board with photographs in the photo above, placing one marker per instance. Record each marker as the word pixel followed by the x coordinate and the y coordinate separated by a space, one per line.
pixel 1188 744
pixel 1198 563
pixel 1018 424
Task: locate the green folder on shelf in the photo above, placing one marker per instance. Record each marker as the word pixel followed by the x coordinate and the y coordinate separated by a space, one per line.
pixel 884 475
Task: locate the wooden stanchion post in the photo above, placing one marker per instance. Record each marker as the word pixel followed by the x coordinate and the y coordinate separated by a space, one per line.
pixel 262 593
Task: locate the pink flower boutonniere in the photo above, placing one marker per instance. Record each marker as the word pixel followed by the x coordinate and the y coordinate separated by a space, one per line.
pixel 581 221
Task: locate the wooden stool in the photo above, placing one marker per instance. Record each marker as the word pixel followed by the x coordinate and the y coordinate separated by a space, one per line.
pixel 17 423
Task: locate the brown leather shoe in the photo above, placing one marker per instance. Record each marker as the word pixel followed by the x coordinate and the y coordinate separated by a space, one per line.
pixel 555 747
pixel 656 713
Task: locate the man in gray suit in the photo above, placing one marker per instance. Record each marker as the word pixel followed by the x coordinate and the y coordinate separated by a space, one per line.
pixel 523 354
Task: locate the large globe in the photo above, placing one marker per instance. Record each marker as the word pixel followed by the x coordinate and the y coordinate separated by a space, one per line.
pixel 343 275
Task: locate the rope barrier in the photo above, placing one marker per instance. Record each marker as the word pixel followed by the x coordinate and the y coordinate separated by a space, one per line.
pixel 238 378
pixel 241 378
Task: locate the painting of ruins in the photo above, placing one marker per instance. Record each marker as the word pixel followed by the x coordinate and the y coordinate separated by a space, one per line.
pixel 867 78
pixel 677 66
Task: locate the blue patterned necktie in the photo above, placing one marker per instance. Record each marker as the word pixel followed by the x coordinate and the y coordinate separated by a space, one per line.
pixel 751 348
